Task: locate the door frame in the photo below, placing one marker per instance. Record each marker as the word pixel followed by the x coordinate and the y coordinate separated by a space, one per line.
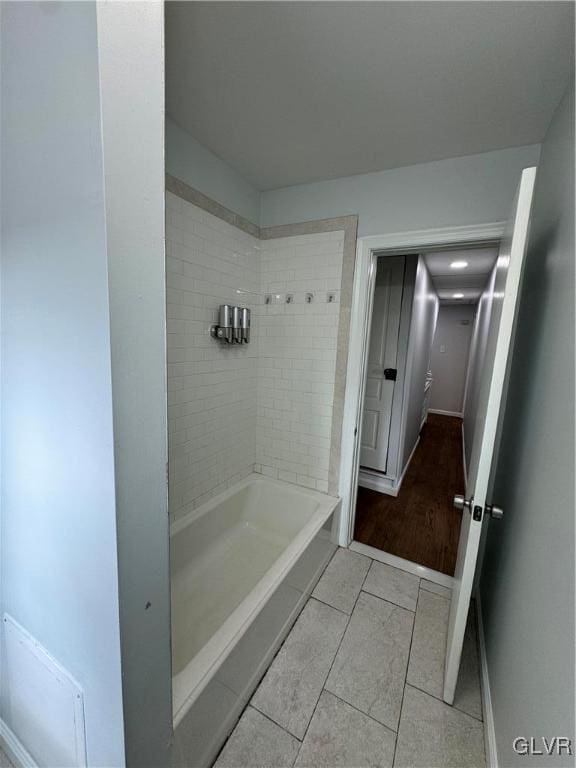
pixel 368 249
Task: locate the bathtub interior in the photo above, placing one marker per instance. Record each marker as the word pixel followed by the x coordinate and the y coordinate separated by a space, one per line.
pixel 221 555
pixel 202 727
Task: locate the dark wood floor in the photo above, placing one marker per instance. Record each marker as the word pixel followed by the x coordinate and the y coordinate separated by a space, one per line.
pixel 420 524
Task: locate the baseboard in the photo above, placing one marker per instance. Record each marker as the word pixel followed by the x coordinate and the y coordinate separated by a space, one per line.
pixel 487 711
pixel 376 482
pixel 464 458
pixel 14 748
pixel 403 475
pixel 446 413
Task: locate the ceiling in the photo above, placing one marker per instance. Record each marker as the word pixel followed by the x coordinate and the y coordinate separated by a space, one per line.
pixel 293 92
pixel 469 281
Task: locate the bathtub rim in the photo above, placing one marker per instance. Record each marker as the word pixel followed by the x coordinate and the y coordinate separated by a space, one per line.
pixel 188 684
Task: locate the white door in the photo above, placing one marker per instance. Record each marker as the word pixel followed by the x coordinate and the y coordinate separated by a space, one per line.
pixel 381 364
pixel 491 399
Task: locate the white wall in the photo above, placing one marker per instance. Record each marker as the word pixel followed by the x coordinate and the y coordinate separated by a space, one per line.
pixel 211 385
pixel 190 161
pixel 449 359
pixel 463 190
pixel 527 584
pixel 476 364
pixel 474 189
pixel 131 40
pixel 266 407
pixel 422 327
pixel 297 357
pixel 59 572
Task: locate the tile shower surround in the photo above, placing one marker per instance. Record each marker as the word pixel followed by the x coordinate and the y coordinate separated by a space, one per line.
pixel 271 406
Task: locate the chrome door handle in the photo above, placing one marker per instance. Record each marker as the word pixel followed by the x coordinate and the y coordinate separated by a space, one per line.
pixel 497 513
pixel 461 502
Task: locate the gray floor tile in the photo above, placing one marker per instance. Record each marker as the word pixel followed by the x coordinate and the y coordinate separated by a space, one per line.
pixel 433 734
pixel 257 742
pixel 438 589
pixel 342 580
pixel 370 666
pixel 392 584
pixel 4 760
pixel 339 735
pixel 426 665
pixel 468 696
pixel 294 681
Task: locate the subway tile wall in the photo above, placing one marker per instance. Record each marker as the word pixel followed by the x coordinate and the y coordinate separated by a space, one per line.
pixel 297 356
pixel 211 389
pixel 265 407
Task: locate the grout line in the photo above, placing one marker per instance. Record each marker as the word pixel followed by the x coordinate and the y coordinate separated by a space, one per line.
pixel 389 600
pixel 378 722
pixel 406 676
pixel 329 605
pixel 452 706
pixel 271 719
pixel 337 650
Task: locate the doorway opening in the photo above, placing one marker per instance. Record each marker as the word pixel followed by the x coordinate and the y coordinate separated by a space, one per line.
pixel 425 340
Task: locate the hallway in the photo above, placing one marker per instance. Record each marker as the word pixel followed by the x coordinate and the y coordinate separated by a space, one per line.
pixel 420 524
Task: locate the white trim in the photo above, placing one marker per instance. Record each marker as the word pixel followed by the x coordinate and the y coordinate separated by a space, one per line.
pixel 413 451
pixel 377 482
pixel 14 748
pixel 464 458
pixel 445 413
pixel 487 710
pixel 399 401
pixel 441 237
pixel 362 297
pixel 404 565
pixel 368 478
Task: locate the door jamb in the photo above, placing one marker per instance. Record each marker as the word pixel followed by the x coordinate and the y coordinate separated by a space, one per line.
pixel 367 250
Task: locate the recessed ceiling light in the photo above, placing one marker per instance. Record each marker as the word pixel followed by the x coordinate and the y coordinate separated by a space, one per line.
pixel 457 295
pixel 459 264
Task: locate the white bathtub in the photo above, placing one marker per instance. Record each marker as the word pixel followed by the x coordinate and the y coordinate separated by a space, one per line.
pixel 228 559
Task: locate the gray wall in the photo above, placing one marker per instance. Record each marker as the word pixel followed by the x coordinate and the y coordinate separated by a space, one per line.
pixel 449 359
pixel 422 326
pixel 131 40
pixel 464 190
pixel 59 563
pixel 527 585
pixel 476 363
pixel 191 162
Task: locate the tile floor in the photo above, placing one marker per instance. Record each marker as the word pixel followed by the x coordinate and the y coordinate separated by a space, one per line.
pixel 358 681
pixel 4 760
